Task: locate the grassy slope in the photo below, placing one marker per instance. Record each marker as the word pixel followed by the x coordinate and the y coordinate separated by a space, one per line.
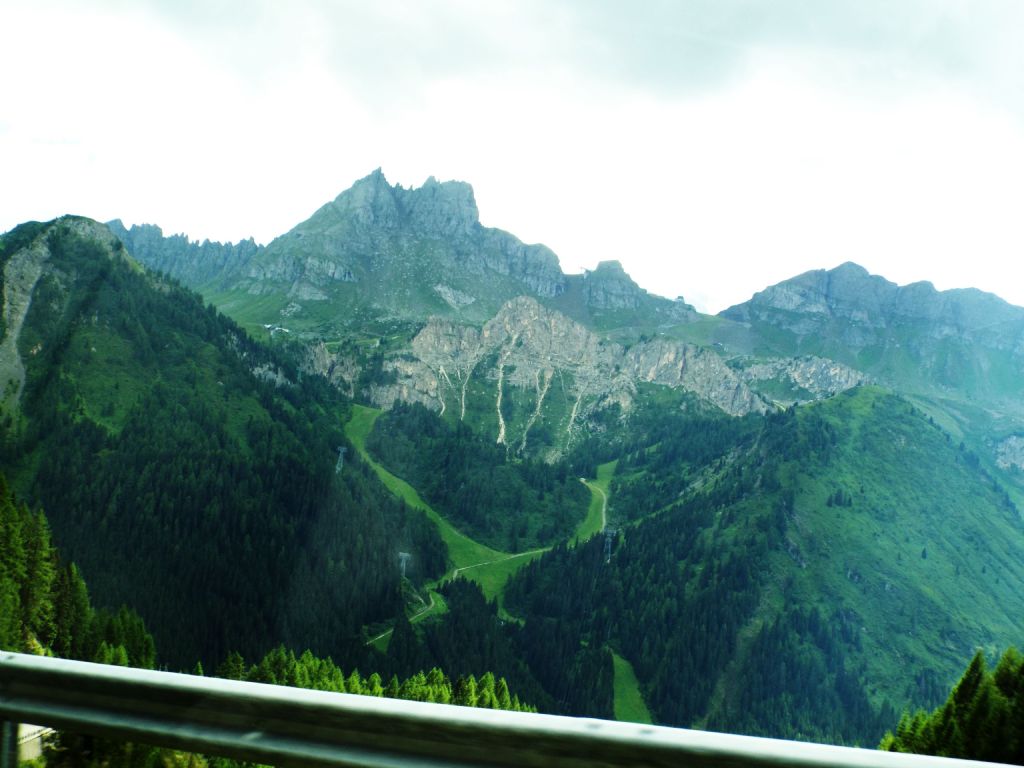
pixel 924 557
pixel 488 567
pixel 591 524
pixel 463 550
pixel 629 702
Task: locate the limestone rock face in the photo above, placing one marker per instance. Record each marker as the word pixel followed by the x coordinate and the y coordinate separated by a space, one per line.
pixel 810 302
pixel 341 369
pixel 191 262
pixel 384 253
pixel 373 228
pixel 534 349
pixel 1010 452
pixel 609 287
pixel 818 377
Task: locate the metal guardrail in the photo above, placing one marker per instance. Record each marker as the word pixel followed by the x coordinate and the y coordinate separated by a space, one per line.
pixel 290 726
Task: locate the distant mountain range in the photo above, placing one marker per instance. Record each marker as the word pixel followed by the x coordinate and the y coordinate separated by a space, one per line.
pixel 413 271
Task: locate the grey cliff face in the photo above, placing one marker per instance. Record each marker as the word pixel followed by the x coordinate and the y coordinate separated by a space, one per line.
pixel 530 347
pixel 850 294
pixel 1010 453
pixel 191 262
pixel 369 228
pixel 957 343
pixel 609 287
pixel 818 377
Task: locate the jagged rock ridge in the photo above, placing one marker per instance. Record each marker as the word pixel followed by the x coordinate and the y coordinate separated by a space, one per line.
pixel 379 251
pixel 962 343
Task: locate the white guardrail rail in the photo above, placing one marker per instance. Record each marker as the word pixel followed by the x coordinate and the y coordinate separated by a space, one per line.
pixel 290 726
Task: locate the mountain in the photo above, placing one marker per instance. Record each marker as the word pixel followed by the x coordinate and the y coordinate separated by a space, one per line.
pixel 380 256
pixel 190 472
pixel 799 574
pixel 190 262
pixel 961 344
pixel 815 494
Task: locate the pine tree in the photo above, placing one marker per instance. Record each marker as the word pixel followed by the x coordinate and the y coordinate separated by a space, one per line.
pixel 233 667
pixel 40 569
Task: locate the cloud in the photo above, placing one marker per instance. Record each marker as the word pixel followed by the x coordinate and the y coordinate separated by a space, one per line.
pixel 712 146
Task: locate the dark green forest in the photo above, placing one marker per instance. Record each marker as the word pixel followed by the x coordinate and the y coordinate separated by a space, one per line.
pixel 45 608
pixel 714 592
pixel 176 457
pixel 511 505
pixel 543 662
pixel 44 601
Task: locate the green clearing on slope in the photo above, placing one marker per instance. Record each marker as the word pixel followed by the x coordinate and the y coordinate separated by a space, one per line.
pixel 629 702
pixel 462 549
pixel 593 523
pixel 489 568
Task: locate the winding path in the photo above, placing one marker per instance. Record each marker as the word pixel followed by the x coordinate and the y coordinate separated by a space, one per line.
pixel 457 571
pixel 421 612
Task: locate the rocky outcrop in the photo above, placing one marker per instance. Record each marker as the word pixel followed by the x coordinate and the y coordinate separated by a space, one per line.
pixel 189 261
pixel 21 272
pixel 694 369
pixel 1010 452
pixel 372 228
pixel 810 302
pixel 411 253
pixel 340 368
pixel 959 343
pixel 818 377
pixel 609 287
pixel 536 350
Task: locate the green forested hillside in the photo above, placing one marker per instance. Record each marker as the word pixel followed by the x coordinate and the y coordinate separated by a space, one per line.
pixel 190 471
pixel 507 505
pixel 983 718
pixel 44 602
pixel 839 565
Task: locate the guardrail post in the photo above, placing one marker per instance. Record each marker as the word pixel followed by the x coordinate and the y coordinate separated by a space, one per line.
pixel 8 744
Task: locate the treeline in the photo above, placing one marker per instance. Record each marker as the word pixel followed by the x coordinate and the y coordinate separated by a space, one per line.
pixel 282 667
pixel 177 458
pixel 983 718
pixel 509 505
pixel 469 639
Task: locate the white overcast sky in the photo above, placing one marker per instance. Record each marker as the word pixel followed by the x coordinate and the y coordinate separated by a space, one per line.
pixel 713 146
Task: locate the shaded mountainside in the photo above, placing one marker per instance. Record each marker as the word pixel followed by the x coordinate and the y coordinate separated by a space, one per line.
pixel 802 579
pixel 177 459
pixel 960 343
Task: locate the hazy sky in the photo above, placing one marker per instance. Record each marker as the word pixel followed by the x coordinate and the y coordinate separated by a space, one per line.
pixel 712 146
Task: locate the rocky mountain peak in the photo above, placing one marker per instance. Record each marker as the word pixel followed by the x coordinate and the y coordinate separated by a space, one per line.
pixel 442 208
pixel 850 293
pixel 437 209
pixel 609 287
